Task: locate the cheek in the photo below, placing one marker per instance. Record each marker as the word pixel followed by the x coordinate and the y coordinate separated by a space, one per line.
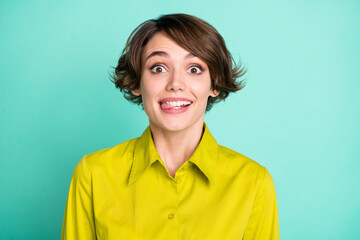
pixel 202 90
pixel 149 91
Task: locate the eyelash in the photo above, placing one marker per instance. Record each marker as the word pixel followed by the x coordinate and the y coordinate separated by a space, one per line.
pixel 197 66
pixel 154 66
pixel 194 66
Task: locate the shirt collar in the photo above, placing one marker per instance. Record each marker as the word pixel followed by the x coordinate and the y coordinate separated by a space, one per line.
pixel 145 154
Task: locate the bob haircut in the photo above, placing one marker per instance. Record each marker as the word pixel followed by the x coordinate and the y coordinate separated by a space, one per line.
pixel 194 35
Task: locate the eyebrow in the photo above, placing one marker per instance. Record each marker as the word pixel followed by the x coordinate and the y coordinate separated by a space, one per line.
pixel 165 54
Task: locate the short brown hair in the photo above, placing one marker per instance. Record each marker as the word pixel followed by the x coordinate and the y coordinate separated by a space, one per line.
pixel 194 35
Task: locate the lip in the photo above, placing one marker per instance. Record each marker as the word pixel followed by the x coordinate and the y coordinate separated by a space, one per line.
pixel 173 110
pixel 170 99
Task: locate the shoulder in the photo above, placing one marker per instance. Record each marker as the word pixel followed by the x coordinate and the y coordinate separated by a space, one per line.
pixel 231 159
pixel 243 171
pixel 118 154
pixel 237 166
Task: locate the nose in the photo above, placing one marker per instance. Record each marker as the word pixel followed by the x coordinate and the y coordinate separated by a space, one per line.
pixel 176 81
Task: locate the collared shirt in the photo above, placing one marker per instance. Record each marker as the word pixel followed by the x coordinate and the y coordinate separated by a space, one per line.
pixel 126 192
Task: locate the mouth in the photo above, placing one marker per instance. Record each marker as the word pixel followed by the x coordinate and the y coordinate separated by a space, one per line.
pixel 175 105
pixel 167 105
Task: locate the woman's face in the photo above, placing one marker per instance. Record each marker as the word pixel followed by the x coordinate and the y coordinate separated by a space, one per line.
pixel 174 86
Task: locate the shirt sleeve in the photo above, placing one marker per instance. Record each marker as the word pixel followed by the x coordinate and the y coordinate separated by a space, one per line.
pixel 78 221
pixel 263 223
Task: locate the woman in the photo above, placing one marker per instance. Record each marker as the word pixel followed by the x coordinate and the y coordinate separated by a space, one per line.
pixel 175 181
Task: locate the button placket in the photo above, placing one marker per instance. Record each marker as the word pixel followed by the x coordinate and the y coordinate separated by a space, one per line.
pixel 185 167
pixel 178 177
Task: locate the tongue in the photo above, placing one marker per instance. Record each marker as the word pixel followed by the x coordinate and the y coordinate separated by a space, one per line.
pixel 166 106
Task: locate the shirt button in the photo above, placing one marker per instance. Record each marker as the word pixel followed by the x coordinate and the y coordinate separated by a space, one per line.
pixel 178 180
pixel 185 167
pixel 170 216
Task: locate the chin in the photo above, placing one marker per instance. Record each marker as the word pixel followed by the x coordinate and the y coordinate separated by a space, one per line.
pixel 178 124
pixel 174 127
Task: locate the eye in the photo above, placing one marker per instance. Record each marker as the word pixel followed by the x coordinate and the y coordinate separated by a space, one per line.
pixel 157 69
pixel 195 70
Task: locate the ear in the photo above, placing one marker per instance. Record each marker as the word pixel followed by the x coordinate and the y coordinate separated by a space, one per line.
pixel 136 92
pixel 214 93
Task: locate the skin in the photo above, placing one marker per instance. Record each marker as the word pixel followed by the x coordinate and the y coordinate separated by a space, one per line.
pixel 171 71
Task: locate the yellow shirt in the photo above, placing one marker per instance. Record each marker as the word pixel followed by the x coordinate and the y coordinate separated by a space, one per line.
pixel 125 192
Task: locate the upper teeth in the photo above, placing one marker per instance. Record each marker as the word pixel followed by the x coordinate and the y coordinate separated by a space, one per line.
pixel 178 103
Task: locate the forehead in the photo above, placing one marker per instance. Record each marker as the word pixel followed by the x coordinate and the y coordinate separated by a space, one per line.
pixel 161 42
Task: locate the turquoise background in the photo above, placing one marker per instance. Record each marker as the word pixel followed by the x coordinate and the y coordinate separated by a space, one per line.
pixel 298 115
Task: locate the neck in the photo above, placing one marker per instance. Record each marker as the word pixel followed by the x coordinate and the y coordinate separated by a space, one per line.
pixel 176 147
